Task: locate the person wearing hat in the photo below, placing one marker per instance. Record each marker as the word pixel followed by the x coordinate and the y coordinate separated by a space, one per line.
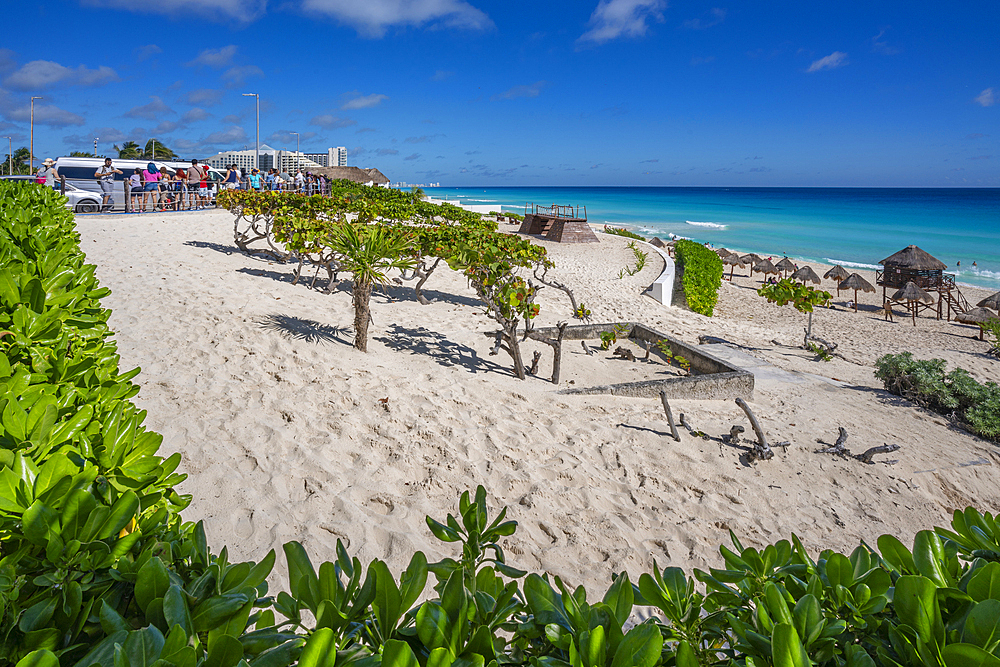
pixel 255 179
pixel 105 175
pixel 48 173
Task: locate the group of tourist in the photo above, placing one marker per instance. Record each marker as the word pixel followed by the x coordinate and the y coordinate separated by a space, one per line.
pixel 272 179
pixel 160 189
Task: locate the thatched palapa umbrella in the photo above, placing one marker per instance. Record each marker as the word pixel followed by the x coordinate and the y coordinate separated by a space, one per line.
pixel 976 316
pixel 837 273
pixel 806 274
pixel 911 294
pixel 992 301
pixel 785 265
pixel 766 267
pixel 856 282
pixel 751 260
pixel 732 260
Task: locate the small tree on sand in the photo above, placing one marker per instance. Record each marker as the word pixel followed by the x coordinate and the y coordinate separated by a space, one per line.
pixel 369 252
pixel 803 298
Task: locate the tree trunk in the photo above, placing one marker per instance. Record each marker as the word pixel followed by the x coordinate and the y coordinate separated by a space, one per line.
pixel 362 314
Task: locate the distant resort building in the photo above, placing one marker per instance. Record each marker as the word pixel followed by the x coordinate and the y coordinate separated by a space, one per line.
pixel 271 158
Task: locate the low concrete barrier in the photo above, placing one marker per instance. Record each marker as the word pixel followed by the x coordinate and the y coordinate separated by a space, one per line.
pixel 662 288
pixel 712 378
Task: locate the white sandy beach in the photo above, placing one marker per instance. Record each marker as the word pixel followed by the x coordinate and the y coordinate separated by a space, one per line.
pixel 286 434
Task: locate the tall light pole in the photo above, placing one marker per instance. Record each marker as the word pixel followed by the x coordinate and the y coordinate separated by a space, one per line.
pixel 296 150
pixel 256 159
pixel 95 146
pixel 31 158
pixel 10 154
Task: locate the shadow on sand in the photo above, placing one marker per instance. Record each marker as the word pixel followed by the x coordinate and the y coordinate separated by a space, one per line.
pixel 418 340
pixel 309 331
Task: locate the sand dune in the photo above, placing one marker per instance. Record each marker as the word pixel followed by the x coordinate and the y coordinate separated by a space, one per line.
pixel 289 433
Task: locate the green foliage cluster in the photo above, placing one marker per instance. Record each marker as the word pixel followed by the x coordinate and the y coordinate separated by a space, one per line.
pixel 640 261
pixel 991 328
pixel 582 312
pixel 702 275
pixel 621 231
pixel 802 297
pixel 821 352
pixel 663 346
pixel 97 566
pixel 954 393
pixel 609 338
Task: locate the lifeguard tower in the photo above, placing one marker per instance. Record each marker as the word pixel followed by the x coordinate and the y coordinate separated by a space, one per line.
pixel 562 224
pixel 911 264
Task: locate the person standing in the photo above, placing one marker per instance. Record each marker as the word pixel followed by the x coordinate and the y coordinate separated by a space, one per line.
pixel 232 177
pixel 255 180
pixel 47 173
pixel 151 179
pixel 194 177
pixel 105 175
pixel 135 188
pixel 300 181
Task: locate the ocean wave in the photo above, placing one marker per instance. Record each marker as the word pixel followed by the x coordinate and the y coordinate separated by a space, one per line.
pixel 712 225
pixel 981 273
pixel 853 265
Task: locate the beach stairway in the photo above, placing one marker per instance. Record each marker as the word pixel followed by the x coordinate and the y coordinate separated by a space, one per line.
pixel 562 224
pixel 955 302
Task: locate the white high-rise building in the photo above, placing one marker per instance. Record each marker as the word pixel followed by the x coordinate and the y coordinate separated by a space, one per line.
pixel 271 158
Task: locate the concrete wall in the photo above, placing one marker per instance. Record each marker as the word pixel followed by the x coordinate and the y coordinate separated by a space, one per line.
pixel 712 378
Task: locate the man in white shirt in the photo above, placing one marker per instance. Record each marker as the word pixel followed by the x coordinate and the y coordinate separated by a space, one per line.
pixel 300 181
pixel 195 174
pixel 105 175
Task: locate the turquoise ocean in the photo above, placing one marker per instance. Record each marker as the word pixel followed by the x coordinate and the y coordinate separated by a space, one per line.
pixel 855 227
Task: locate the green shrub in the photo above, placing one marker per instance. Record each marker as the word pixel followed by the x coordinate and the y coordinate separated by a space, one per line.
pixel 621 231
pixel 701 275
pixel 98 568
pixel 955 393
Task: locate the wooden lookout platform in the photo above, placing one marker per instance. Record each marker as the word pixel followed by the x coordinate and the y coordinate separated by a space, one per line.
pixel 911 264
pixel 562 224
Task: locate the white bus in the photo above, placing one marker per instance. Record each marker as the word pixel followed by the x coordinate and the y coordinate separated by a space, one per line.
pixel 80 170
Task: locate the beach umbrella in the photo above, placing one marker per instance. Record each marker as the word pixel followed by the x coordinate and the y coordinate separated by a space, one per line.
pixel 976 316
pixel 911 294
pixel 992 301
pixel 732 260
pixel 837 273
pixel 806 274
pixel 766 267
pixel 856 282
pixel 722 252
pixel 751 260
pixel 785 265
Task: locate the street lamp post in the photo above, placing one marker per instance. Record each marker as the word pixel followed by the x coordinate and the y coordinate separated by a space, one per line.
pixel 31 158
pixel 95 146
pixel 10 155
pixel 256 158
pixel 296 151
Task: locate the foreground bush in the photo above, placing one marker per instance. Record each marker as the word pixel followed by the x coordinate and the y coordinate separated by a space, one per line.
pixel 98 568
pixel 955 394
pixel 701 271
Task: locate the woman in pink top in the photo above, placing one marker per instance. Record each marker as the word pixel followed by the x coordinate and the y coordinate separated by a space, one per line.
pixel 151 176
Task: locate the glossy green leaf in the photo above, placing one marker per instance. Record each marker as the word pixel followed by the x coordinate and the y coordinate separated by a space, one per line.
pixel 967 655
pixel 786 647
pixel 640 648
pixel 320 649
pixel 397 653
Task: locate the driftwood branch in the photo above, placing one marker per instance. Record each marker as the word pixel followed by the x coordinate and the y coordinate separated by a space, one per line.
pixel 534 363
pixel 624 354
pixel 734 434
pixel 648 345
pixel 556 345
pixel 761 450
pixel 586 348
pixel 497 345
pixel 866 457
pixel 670 417
pixel 541 275
pixel 838 448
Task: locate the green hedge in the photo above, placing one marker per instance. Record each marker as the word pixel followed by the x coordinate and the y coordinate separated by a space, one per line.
pixel 98 568
pixel 702 275
pixel 956 393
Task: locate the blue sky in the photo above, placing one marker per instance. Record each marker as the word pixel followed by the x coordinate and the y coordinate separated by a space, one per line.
pixel 476 92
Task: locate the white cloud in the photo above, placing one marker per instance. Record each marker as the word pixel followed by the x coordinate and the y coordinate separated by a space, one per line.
pixel 414 156
pixel 237 76
pixel 208 97
pixel 832 61
pixel 45 114
pixel 230 136
pixel 41 74
pixel 387 151
pixel 718 16
pixel 987 98
pixel 372 18
pixel 148 51
pixel 621 18
pixel 240 11
pixel 286 138
pixel 195 115
pixel 365 102
pixel 533 90
pixel 149 111
pixel 330 122
pixel 215 58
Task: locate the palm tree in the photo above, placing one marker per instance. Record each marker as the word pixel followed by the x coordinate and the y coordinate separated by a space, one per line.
pixel 417 194
pixel 81 154
pixel 161 152
pixel 128 151
pixel 369 252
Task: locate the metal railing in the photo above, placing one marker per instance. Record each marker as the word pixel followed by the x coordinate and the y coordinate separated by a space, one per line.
pixel 556 211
